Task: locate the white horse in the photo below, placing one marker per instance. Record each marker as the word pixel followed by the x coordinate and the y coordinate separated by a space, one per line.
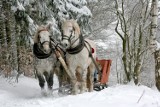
pixel 46 63
pixel 78 57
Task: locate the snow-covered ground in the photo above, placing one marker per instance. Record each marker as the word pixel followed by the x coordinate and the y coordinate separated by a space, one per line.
pixel 26 93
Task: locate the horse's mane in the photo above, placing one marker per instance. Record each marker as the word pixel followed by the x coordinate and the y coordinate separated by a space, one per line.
pixel 37 33
pixel 75 25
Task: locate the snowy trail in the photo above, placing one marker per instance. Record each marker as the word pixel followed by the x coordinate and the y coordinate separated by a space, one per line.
pixel 27 94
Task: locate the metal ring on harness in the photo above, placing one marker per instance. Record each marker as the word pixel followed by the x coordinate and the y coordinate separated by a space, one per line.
pixel 39 53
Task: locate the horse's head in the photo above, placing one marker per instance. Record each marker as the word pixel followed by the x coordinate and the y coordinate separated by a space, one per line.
pixel 70 33
pixel 42 38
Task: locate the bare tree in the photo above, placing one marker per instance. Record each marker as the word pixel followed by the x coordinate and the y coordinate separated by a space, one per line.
pixel 102 12
pixel 133 28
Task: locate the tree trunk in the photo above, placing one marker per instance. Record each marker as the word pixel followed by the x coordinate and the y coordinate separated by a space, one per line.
pixel 154 14
pixel 153 44
pixel 157 69
pixel 7 8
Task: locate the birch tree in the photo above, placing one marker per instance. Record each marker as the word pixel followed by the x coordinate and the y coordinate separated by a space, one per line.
pixel 155 44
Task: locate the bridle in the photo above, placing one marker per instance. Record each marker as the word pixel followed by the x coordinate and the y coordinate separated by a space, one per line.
pixel 41 44
pixel 38 50
pixel 70 38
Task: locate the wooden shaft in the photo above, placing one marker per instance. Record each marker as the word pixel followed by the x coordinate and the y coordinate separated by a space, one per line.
pixel 58 55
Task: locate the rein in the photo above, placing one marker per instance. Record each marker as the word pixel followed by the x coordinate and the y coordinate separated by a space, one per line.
pixel 90 55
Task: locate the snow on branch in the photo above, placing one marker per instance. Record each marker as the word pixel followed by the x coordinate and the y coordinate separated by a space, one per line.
pixel 20 6
pixel 158 45
pixel 83 11
pixel 92 1
pixel 119 10
pixel 78 2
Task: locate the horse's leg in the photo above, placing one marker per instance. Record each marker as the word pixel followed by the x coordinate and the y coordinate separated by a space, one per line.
pixel 59 73
pixel 74 86
pixel 83 87
pixel 88 79
pixel 41 83
pixel 74 82
pixel 50 81
pixel 91 70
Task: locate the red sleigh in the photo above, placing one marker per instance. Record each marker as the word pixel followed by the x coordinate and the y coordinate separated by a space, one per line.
pixel 104 75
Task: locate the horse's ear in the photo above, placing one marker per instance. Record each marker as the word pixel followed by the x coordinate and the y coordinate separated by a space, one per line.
pixel 48 27
pixel 76 26
pixel 63 20
pixel 76 20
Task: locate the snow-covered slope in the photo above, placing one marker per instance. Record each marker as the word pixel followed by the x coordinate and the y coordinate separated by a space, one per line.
pixel 27 94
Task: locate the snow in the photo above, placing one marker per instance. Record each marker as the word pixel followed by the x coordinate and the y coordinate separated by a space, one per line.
pixel 111 39
pixel 83 11
pixel 119 10
pixel 77 2
pixel 102 44
pixel 158 45
pixel 93 1
pixel 26 93
pixel 32 27
pixel 20 6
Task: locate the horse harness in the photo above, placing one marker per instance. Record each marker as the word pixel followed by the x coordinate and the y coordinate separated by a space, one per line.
pixel 80 46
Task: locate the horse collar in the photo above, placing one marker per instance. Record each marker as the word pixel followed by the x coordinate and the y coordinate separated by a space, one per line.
pixel 39 53
pixel 78 48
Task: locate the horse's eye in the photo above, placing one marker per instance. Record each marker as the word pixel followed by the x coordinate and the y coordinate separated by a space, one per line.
pixel 71 31
pixel 50 36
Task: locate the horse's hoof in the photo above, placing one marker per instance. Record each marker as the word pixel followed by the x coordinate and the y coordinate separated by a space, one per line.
pixel 43 92
pixel 49 92
pixel 83 91
pixel 74 93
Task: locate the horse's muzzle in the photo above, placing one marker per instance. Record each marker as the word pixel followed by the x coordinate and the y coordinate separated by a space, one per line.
pixel 65 44
pixel 46 47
